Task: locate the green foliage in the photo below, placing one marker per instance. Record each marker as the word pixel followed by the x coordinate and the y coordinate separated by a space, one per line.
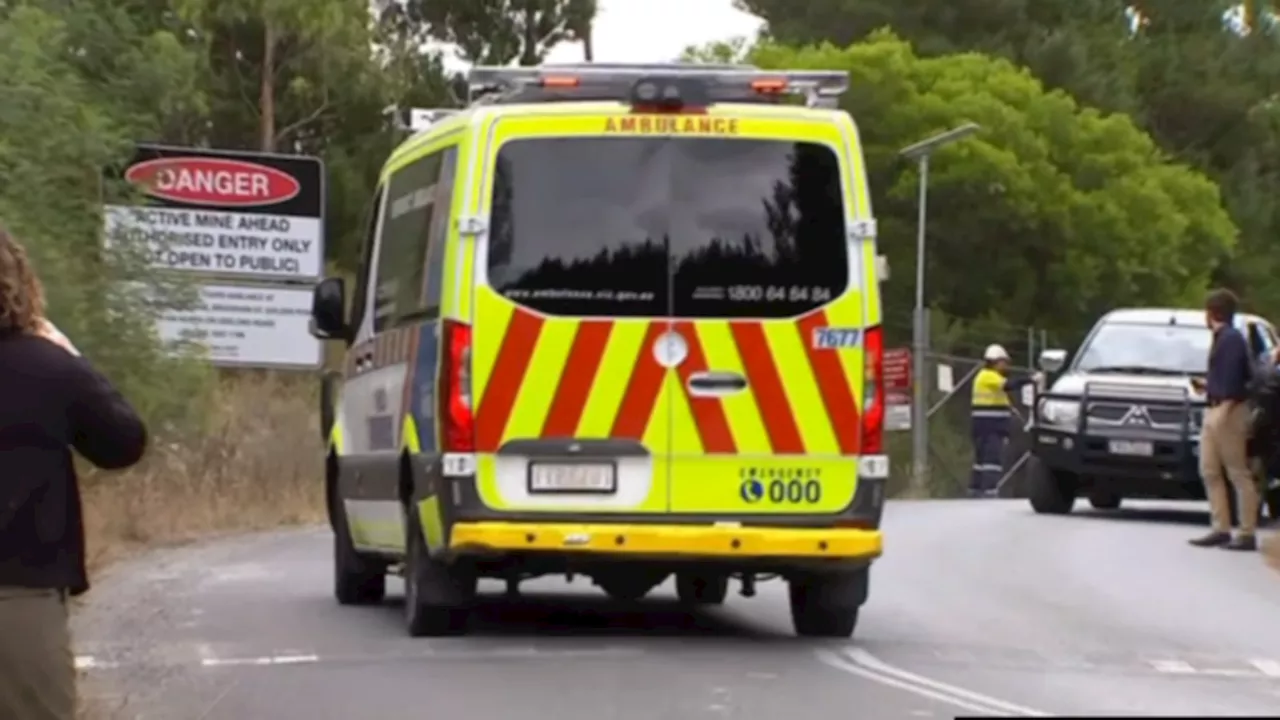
pixel 1052 214
pixel 732 51
pixel 56 133
pixel 82 81
pixel 1204 87
pixel 495 32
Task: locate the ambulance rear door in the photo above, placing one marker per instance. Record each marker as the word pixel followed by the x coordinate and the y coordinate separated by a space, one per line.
pixel 767 304
pixel 570 304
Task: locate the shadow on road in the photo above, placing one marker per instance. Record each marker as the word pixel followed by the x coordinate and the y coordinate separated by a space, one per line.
pixel 561 615
pixel 1169 516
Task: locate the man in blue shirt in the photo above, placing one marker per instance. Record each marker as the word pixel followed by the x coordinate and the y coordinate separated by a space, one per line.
pixel 1224 437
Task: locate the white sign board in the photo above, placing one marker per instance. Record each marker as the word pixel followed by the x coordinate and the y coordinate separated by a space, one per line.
pixel 224 212
pixel 221 242
pixel 897 417
pixel 248 326
pixel 946 379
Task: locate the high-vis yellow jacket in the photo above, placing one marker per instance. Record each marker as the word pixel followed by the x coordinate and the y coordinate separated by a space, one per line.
pixel 989 396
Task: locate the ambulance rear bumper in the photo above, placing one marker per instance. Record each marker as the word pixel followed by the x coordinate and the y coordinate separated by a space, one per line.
pixel 718 542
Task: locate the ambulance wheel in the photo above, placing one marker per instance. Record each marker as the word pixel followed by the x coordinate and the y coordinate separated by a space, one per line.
pixel 1105 500
pixel 1050 492
pixel 701 589
pixel 437 595
pixel 357 579
pixel 827 605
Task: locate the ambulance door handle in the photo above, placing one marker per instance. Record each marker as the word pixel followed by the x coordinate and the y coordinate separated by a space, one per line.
pixel 716 384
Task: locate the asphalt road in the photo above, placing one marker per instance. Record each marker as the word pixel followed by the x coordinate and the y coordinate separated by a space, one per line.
pixel 978 608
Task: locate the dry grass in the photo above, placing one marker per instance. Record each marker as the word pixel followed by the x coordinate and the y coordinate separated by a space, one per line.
pixel 258 465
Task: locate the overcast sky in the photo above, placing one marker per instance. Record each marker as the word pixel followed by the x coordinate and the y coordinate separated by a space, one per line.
pixel 658 30
pixel 654 30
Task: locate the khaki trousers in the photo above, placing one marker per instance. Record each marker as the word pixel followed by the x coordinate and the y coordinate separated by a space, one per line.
pixel 1223 442
pixel 37 667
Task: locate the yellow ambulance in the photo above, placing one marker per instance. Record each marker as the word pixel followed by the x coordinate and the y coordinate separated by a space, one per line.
pixel 620 322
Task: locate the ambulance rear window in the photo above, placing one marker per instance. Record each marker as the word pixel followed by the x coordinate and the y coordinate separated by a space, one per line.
pixel 685 226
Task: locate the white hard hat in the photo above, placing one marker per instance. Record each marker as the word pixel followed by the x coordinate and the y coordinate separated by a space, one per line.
pixel 994 353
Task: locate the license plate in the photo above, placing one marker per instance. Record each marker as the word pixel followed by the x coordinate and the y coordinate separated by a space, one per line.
pixel 1130 447
pixel 572 478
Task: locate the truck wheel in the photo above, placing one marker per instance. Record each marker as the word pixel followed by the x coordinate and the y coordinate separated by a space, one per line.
pixel 1105 500
pixel 1050 493
pixel 357 579
pixel 437 595
pixel 827 605
pixel 628 585
pixel 701 589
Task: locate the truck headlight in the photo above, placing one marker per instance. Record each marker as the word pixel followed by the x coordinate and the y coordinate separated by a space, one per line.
pixel 1060 412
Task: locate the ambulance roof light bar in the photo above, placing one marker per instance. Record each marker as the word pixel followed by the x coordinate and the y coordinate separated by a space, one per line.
pixel 598 81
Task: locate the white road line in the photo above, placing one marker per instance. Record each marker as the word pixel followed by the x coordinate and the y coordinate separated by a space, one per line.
pixel 259 661
pixel 1270 668
pixel 89 662
pixel 507 653
pixel 206 657
pixel 1173 667
pixel 863 664
pixel 1228 672
pixel 1263 668
pixel 871 662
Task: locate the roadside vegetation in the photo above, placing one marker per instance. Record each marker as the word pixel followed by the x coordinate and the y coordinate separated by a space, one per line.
pixel 256 463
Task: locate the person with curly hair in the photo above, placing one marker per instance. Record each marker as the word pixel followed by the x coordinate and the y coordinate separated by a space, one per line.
pixel 51 400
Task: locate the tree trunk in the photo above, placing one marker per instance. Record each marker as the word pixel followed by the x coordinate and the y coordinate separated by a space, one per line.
pixel 588 52
pixel 529 56
pixel 267 91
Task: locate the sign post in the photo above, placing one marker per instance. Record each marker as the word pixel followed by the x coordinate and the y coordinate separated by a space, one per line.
pixel 250 226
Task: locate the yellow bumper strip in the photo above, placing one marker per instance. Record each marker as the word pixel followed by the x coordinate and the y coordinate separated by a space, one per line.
pixel 692 540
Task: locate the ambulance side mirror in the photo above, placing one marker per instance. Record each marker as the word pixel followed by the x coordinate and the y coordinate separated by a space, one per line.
pixel 1051 361
pixel 328 304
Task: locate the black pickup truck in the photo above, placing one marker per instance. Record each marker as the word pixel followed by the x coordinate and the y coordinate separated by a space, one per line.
pixel 1122 419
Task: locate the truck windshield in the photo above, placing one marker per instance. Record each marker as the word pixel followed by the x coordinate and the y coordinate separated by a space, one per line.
pixel 1149 348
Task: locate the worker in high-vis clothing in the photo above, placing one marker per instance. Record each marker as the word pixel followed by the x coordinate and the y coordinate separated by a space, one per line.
pixel 990 417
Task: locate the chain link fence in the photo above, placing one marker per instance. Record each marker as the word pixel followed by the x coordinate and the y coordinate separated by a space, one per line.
pixel 949 370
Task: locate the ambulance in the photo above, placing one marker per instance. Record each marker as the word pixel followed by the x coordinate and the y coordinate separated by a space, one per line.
pixel 616 322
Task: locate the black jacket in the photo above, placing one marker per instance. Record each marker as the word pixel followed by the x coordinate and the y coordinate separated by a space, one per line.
pixel 51 401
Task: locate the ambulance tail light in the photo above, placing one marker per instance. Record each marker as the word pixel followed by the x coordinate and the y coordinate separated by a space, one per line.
pixel 457 416
pixel 559 81
pixel 873 392
pixel 770 86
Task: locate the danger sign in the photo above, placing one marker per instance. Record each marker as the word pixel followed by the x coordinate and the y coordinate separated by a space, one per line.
pixel 224 212
pixel 213 181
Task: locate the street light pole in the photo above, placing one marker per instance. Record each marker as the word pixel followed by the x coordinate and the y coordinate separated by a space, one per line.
pixel 920 152
pixel 920 344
